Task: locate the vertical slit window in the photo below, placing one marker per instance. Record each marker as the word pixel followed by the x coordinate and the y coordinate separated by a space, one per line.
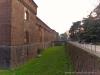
pixel 26 15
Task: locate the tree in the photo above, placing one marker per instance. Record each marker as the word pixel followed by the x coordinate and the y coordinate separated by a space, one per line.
pixel 64 37
pixel 74 30
pixel 92 29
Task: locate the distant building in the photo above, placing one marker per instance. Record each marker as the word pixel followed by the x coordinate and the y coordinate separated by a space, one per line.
pixel 22 33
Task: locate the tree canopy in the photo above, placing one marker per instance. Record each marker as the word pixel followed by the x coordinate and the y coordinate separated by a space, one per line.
pixel 90 33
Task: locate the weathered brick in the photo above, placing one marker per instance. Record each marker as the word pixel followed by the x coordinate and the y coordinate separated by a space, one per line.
pixel 20 36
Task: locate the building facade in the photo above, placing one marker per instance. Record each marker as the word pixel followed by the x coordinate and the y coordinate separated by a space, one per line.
pixel 22 33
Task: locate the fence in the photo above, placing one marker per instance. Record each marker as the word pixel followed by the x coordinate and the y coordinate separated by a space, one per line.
pixel 85 63
pixel 12 56
pixel 91 48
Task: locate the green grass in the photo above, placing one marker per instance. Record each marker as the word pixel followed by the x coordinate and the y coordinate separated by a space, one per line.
pixel 54 61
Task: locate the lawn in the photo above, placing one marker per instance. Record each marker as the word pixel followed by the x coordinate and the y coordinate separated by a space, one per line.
pixel 54 61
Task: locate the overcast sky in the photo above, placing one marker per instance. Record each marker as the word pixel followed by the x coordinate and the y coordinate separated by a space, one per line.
pixel 59 14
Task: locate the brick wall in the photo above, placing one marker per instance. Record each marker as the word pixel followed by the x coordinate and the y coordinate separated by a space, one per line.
pixel 5 24
pixel 22 32
pixel 5 21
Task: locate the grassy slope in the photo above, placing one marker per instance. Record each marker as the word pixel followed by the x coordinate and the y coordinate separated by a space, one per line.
pixel 52 62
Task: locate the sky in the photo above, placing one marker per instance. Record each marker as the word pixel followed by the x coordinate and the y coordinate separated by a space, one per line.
pixel 60 14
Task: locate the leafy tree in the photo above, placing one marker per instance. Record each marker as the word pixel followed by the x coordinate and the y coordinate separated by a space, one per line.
pixel 64 37
pixel 92 30
pixel 74 30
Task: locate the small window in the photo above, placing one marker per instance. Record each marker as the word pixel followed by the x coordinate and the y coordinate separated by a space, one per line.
pixel 26 15
pixel 26 39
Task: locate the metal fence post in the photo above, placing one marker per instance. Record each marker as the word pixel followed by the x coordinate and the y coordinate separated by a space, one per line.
pixel 95 47
pixel 91 48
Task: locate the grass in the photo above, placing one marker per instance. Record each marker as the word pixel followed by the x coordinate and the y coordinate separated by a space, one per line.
pixel 54 61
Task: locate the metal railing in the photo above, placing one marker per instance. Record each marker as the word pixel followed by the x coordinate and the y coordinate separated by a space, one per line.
pixel 85 58
pixel 91 48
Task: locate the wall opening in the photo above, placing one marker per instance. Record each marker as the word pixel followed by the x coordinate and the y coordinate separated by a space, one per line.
pixel 26 15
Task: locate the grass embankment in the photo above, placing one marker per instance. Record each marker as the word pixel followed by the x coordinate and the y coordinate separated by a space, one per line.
pixel 54 61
